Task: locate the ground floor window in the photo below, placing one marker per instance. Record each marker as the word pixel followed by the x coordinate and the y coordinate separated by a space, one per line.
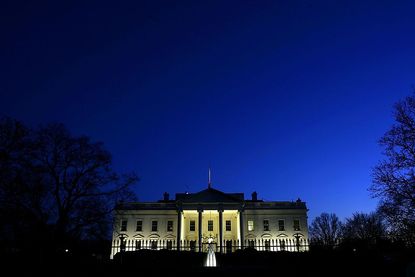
pixel 282 245
pixel 267 245
pixel 154 245
pixel 137 244
pixel 228 246
pixel 192 245
pixel 251 243
pixel 169 245
pixel 122 245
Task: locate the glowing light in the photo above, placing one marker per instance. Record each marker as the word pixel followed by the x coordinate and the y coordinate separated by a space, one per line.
pixel 210 258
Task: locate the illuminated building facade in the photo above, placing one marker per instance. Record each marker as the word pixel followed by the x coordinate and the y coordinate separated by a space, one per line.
pixel 230 221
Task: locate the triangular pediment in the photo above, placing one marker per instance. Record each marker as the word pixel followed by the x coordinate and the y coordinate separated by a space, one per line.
pixel 210 195
pixel 250 236
pixel 154 236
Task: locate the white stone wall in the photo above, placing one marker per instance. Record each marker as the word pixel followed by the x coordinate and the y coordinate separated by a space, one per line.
pixel 274 234
pixel 131 235
pixel 273 237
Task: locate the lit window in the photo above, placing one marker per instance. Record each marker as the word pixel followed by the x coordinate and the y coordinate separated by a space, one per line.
pixel 154 226
pixel 250 225
pixel 123 225
pixel 192 225
pixel 169 226
pixel 281 225
pixel 228 225
pixel 210 225
pixel 296 225
pixel 139 227
pixel 266 225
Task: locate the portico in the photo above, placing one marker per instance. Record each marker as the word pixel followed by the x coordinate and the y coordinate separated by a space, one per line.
pixel 220 225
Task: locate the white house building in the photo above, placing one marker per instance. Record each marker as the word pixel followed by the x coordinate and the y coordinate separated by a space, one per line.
pixel 233 222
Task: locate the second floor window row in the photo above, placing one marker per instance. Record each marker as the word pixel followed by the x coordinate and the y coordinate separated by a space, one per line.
pixel 280 225
pixel 139 225
pixel 228 225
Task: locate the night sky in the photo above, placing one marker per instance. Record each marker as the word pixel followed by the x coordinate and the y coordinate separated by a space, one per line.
pixel 287 98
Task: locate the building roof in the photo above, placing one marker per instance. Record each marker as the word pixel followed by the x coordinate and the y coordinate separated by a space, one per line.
pixel 210 195
pixel 211 198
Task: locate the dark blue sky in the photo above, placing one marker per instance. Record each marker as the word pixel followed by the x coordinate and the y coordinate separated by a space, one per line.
pixel 287 98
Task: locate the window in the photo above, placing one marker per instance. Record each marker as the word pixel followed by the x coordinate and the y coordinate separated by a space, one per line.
pixel 251 243
pixel 250 225
pixel 282 244
pixel 169 245
pixel 154 226
pixel 228 225
pixel 192 225
pixel 139 227
pixel 297 243
pixel 266 225
pixel 154 244
pixel 192 245
pixel 170 226
pixel 210 225
pixel 281 225
pixel 137 244
pixel 123 225
pixel 296 225
pixel 267 245
pixel 228 246
pixel 122 245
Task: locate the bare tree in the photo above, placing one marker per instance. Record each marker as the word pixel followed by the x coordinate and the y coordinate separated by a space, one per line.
pixel 66 183
pixel 22 194
pixel 394 177
pixel 368 228
pixel 326 229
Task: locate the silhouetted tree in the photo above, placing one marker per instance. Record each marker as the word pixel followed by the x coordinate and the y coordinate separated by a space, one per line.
pixel 366 229
pixel 22 195
pixel 394 176
pixel 326 229
pixel 60 185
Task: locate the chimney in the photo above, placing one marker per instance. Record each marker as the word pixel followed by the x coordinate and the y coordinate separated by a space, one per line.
pixel 254 196
pixel 166 196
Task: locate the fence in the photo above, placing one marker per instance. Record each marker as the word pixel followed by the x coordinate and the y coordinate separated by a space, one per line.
pixel 228 246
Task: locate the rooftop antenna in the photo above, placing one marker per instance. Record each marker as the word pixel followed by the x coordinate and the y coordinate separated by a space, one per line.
pixel 209 180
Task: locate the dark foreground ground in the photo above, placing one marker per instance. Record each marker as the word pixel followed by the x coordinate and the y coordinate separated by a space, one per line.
pixel 243 263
